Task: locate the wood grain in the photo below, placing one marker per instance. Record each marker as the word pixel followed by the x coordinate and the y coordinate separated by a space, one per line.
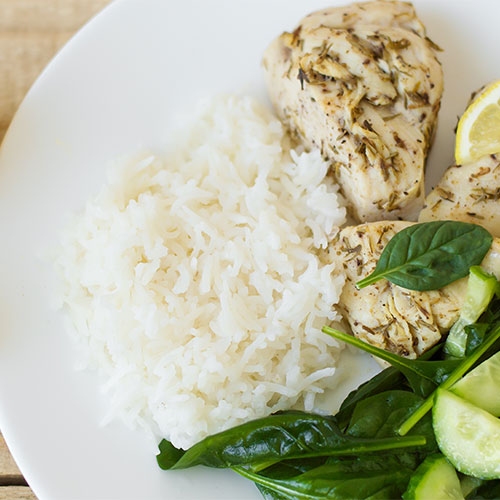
pixel 31 32
pixel 9 473
pixel 16 493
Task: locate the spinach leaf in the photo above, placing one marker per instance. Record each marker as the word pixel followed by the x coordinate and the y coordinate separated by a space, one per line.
pixel 376 416
pixel 390 378
pixel 425 386
pixel 492 313
pixel 293 467
pixel 269 494
pixel 286 470
pixel 413 369
pixel 169 455
pixel 381 477
pixel 381 415
pixel 488 490
pixel 421 386
pixel 469 485
pixel 431 255
pixel 282 436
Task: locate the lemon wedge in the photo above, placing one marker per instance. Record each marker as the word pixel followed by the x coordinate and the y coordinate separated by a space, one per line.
pixel 478 131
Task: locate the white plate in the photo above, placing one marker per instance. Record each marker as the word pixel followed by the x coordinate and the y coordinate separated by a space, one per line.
pixel 116 87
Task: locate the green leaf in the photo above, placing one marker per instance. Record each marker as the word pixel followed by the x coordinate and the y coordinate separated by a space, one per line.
pixel 269 494
pixel 492 313
pixel 487 490
pixel 169 455
pixel 286 470
pixel 381 415
pixel 431 255
pixel 380 477
pixel 275 438
pixel 469 485
pixel 390 378
pixel 413 369
pixel 293 467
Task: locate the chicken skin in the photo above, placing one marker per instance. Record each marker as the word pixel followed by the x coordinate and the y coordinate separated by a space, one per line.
pixel 468 193
pixel 401 321
pixel 363 84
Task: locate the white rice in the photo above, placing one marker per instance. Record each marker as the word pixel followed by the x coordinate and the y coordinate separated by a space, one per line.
pixel 194 284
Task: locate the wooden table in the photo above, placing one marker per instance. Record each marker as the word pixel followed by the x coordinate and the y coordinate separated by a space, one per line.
pixel 31 32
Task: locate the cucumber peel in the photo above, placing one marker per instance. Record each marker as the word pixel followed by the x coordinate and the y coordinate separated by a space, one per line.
pixel 435 478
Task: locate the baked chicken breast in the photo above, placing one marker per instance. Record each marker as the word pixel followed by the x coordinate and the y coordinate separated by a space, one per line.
pixel 362 83
pixel 385 315
pixel 469 193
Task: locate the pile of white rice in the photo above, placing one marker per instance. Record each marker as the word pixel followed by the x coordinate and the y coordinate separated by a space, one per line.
pixel 194 283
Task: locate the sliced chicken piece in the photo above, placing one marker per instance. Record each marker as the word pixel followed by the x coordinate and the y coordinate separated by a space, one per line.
pixel 381 13
pixel 469 193
pixel 362 83
pixel 387 316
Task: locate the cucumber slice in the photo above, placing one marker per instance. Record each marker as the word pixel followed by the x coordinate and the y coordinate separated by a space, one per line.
pixel 480 290
pixel 481 386
pixel 435 478
pixel 468 436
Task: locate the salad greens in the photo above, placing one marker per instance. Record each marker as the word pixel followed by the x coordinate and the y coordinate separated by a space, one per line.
pixel 485 490
pixel 418 372
pixel 443 373
pixel 431 255
pixel 286 435
pixel 386 380
pixel 374 447
pixel 378 416
pixel 358 453
pixel 378 477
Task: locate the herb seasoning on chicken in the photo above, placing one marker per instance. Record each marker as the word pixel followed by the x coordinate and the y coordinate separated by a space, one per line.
pixel 401 321
pixel 468 193
pixel 363 84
